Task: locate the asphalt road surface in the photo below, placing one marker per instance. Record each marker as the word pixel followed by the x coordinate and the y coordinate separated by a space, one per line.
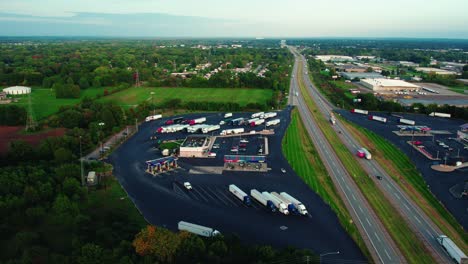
pixel 163 202
pixel 380 245
pixel 418 220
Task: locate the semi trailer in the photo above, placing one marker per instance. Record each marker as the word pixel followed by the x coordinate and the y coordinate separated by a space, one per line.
pixel 452 249
pixel 283 208
pixel 257 122
pixel 258 196
pixel 152 117
pixel 258 114
pixel 300 207
pixel 210 128
pixel 440 114
pixel 176 120
pixel 377 118
pixel 291 207
pixel 364 153
pixel 273 122
pixel 226 115
pixel 232 131
pixel 197 121
pixel 241 195
pixel 359 111
pixel 198 229
pixel 269 115
pixel 407 121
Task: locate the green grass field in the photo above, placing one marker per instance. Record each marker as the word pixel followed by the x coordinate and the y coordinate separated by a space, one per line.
pixel 304 159
pixel 45 104
pixel 134 96
pixel 411 247
pixel 407 176
pixel 459 89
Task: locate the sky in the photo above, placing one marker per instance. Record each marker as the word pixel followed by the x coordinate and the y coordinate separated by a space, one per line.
pixel 239 18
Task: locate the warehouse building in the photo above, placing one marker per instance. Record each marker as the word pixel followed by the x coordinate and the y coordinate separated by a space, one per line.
pixel 360 75
pixel 196 146
pixel 332 58
pixel 17 90
pixel 436 71
pixel 389 85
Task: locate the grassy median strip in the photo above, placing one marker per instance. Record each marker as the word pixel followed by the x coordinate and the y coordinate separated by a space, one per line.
pixel 304 159
pixel 403 171
pixel 411 247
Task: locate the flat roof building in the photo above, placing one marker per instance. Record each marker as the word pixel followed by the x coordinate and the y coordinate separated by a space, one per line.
pixel 195 146
pixel 17 90
pixel 388 85
pixel 360 75
pixel 326 58
pixel 436 71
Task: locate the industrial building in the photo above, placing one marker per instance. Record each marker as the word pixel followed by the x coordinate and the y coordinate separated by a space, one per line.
pixel 196 146
pixel 360 75
pixel 436 71
pixel 17 90
pixel 351 68
pixel 389 85
pixel 327 58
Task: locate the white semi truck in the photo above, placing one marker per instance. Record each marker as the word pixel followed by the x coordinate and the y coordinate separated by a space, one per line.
pixel 273 122
pixel 300 207
pixel 452 249
pixel 210 129
pixel 440 114
pixel 232 131
pixel 259 114
pixel 198 229
pixel 241 195
pixel 152 117
pixel 277 202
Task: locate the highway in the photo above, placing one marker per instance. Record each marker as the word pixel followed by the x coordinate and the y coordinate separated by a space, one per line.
pixel 379 243
pixel 420 223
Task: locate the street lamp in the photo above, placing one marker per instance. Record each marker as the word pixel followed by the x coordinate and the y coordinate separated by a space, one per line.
pixel 325 254
pixel 101 124
pixel 152 102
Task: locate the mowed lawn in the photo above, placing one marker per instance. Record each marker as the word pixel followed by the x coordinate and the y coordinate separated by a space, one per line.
pixel 134 96
pixel 44 103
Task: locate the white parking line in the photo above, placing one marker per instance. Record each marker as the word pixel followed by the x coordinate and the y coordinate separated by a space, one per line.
pixel 199 194
pixel 201 189
pixel 230 201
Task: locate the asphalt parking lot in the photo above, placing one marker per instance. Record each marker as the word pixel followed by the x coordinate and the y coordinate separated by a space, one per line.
pixel 438 182
pixel 163 201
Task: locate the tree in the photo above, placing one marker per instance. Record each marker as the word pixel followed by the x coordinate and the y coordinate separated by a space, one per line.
pixel 20 151
pixel 71 187
pixel 192 247
pixel 157 242
pixel 91 254
pixel 63 155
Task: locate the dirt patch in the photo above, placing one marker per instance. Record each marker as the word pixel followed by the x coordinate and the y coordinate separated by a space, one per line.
pixel 10 133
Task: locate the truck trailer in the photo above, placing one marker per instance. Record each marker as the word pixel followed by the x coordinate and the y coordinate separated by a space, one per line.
pixel 259 114
pixel 210 128
pixel 377 118
pixel 283 208
pixel 300 207
pixel 257 122
pixel 407 121
pixel 440 114
pixel 452 249
pixel 269 115
pixel 273 122
pixel 198 229
pixel 232 131
pixel 226 115
pixel 196 128
pixel 241 195
pixel 236 121
pixel 261 199
pixel 291 207
pixel 152 117
pixel 359 111
pixel 176 120
pixel 197 121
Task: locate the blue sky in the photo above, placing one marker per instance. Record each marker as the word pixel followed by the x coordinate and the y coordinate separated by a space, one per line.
pixel 249 18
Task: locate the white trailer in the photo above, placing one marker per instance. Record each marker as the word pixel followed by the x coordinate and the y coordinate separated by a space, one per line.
pixel 197 121
pixel 178 127
pixel 332 119
pixel 300 207
pixel 196 128
pixel 359 111
pixel 152 117
pixel 291 207
pixel 367 154
pixel 259 114
pixel 440 114
pixel 407 121
pixel 273 122
pixel 232 131
pixel 210 128
pixel 452 249
pixel 241 195
pixel 261 199
pixel 277 202
pixel 378 118
pixel 198 229
pixel 269 115
pixel 226 115
pixel 252 120
pixel 257 122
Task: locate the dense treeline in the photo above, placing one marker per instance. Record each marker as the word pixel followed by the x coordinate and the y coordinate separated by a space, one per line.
pixel 369 101
pixel 12 115
pixel 70 66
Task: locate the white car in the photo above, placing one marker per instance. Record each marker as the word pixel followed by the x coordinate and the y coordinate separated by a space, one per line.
pixel 283 170
pixel 187 185
pixel 212 154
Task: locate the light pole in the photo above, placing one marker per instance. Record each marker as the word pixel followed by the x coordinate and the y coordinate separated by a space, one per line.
pixel 81 165
pixel 152 102
pixel 101 124
pixel 325 254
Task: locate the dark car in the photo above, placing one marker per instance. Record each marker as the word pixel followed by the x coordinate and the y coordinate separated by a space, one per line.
pixel 378 177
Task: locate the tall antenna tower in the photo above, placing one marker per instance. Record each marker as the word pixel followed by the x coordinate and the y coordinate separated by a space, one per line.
pixel 30 121
pixel 136 76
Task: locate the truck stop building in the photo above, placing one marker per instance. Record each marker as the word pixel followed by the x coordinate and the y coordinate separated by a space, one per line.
pixel 160 165
pixel 195 146
pixel 388 85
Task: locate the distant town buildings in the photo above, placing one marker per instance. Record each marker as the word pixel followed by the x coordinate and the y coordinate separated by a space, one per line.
pixel 333 58
pixel 436 71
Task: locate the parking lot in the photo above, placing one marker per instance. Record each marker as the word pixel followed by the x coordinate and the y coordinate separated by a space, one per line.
pixel 164 201
pixel 439 182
